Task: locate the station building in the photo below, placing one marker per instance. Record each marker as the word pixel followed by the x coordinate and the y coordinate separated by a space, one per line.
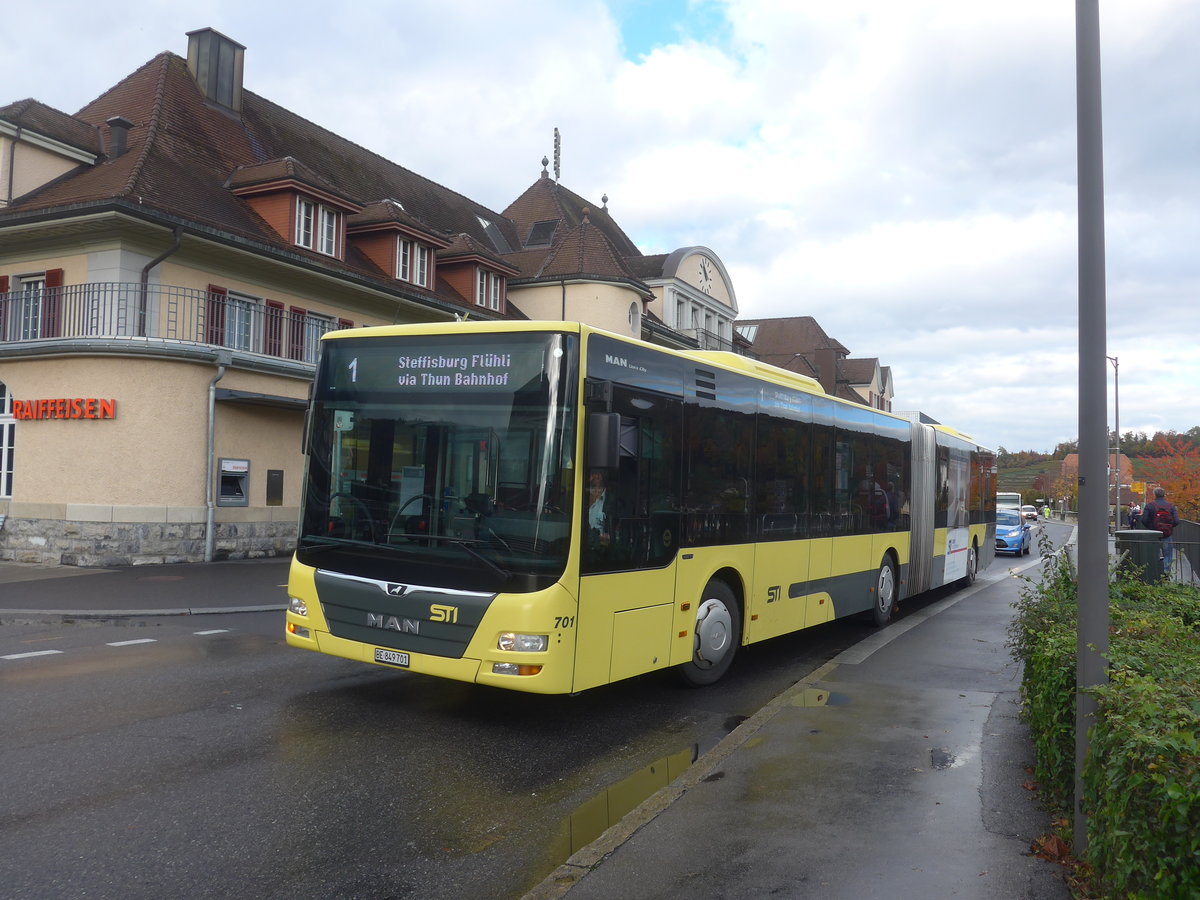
pixel 170 256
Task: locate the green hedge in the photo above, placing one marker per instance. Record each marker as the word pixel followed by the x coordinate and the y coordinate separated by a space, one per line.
pixel 1142 776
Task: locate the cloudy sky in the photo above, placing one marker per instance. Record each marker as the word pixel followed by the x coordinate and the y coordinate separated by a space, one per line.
pixel 905 172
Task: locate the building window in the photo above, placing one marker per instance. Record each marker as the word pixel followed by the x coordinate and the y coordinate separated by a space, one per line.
pixel 241 315
pixel 680 314
pixel 317 227
pixel 421 272
pixel 8 434
pixel 28 320
pixel 32 309
pixel 403 259
pixel 412 262
pixel 329 230
pixel 304 333
pixel 488 288
pixel 306 212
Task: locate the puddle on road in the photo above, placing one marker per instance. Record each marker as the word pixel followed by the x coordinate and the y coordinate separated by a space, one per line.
pixel 593 817
pixel 813 697
pixel 941 758
pixel 596 815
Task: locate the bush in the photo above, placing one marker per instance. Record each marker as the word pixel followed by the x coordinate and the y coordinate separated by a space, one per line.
pixel 1142 776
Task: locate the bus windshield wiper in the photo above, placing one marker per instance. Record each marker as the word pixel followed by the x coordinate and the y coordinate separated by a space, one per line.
pixel 458 542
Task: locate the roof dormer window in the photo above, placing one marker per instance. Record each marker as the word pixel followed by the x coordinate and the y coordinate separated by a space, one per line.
pixel 495 235
pixel 489 287
pixel 412 262
pixel 318 227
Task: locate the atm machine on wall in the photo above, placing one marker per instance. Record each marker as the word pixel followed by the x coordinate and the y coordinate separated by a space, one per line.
pixel 233 482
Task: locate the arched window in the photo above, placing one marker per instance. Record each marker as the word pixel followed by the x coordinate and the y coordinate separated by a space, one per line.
pixel 8 429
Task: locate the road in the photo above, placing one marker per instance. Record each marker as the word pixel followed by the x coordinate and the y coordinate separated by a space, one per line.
pixel 201 757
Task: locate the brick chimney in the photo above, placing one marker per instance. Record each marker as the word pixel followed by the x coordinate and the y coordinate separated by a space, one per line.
pixel 827 369
pixel 215 61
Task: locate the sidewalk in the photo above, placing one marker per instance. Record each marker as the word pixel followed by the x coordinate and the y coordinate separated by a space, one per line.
pixel 896 770
pixel 66 592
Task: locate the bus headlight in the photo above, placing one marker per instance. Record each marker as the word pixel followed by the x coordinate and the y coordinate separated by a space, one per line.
pixel 298 606
pixel 526 643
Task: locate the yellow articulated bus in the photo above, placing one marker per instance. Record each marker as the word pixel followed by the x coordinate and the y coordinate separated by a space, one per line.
pixel 547 507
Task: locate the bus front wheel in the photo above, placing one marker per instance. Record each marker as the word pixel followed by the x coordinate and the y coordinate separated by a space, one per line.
pixel 885 593
pixel 717 632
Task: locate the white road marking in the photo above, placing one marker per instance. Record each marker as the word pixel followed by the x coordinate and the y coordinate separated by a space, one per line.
pixel 31 653
pixel 128 643
pixel 213 631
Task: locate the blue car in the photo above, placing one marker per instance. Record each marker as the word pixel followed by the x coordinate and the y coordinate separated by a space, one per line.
pixel 1012 533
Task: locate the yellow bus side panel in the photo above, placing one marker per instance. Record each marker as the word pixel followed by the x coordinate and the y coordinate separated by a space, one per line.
pixel 780 586
pixel 641 641
pixel 601 597
pixel 818 605
pixel 853 553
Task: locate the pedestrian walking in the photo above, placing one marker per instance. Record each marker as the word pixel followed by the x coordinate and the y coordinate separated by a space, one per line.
pixel 1161 515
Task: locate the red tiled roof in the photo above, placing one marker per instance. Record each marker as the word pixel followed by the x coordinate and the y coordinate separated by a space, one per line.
pixel 188 160
pixel 781 338
pixel 860 371
pixel 585 251
pixel 49 122
pixel 546 200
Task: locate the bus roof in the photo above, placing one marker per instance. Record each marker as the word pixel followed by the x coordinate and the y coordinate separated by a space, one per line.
pixel 723 358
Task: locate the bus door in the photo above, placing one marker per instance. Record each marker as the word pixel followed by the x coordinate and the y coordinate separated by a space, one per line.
pixel 629 526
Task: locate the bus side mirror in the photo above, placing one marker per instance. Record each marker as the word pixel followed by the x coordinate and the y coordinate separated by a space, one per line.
pixel 604 432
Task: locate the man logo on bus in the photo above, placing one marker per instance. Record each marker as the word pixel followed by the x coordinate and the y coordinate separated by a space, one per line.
pixel 393 623
pixel 396 590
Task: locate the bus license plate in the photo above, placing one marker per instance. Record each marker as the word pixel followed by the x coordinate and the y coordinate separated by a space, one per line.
pixel 391 657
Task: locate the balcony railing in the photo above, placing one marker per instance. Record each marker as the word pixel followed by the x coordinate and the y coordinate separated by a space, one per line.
pixel 122 310
pixel 712 341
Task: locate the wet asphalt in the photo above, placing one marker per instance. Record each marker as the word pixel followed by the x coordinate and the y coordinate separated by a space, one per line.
pixel 898 769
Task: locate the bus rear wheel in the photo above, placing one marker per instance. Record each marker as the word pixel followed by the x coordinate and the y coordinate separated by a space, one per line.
pixel 972 565
pixel 717 632
pixel 885 593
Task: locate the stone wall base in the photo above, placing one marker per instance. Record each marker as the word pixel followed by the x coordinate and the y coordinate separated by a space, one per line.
pixel 52 542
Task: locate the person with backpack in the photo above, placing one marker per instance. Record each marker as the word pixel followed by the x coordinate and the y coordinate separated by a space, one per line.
pixel 1160 515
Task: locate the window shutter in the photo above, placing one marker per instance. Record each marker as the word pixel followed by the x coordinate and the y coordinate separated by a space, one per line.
pixel 296 332
pixel 3 308
pixel 52 302
pixel 273 338
pixel 214 319
pixel 345 323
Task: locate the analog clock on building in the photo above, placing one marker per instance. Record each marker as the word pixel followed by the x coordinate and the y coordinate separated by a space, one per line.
pixel 706 277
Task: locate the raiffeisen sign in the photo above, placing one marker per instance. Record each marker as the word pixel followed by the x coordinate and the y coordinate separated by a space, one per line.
pixel 65 408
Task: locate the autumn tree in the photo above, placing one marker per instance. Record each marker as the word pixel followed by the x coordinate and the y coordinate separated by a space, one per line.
pixel 1176 467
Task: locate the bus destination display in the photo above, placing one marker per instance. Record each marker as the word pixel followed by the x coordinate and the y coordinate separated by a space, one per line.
pixel 358 369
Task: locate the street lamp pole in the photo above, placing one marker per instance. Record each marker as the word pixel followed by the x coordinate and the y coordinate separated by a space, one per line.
pixel 1117 414
pixel 1091 646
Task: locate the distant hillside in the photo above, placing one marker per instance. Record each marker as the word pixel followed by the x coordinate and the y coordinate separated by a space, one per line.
pixel 1032 479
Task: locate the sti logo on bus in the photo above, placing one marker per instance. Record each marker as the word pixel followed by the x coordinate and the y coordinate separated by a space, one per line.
pixel 392 623
pixel 440 613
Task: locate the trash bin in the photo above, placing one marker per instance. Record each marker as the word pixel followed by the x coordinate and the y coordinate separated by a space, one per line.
pixel 1142 554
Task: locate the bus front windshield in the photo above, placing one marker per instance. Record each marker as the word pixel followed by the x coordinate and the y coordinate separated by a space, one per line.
pixel 443 460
